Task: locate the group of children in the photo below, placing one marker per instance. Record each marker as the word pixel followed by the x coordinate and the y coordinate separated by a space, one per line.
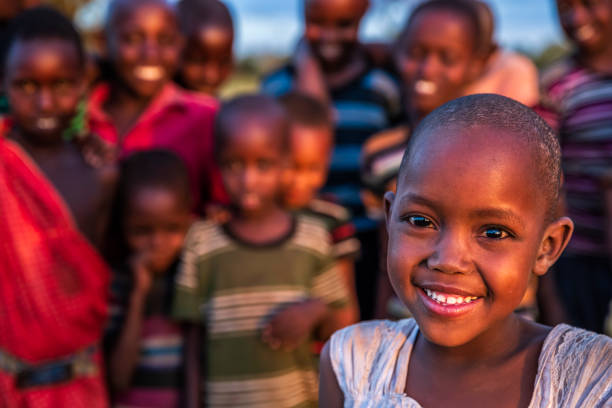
pixel 161 249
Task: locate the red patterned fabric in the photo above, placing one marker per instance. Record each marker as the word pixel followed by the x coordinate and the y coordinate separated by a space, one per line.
pixel 53 284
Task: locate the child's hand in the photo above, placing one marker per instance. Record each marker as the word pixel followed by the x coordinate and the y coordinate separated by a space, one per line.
pixel 96 152
pixel 217 213
pixel 293 325
pixel 143 277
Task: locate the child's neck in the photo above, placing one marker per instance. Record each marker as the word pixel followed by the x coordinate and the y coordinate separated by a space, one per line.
pixel 38 150
pixel 355 66
pixel 600 62
pixel 496 344
pixel 269 226
pixel 124 106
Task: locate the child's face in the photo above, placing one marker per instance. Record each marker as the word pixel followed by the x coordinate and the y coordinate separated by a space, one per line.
pixel 252 165
pixel 467 224
pixel 44 83
pixel 208 59
pixel 156 222
pixel 307 173
pixel 9 9
pixel 332 28
pixel 436 59
pixel 144 45
pixel 587 22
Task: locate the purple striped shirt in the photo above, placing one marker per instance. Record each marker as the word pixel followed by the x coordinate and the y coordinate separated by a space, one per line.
pixel 578 103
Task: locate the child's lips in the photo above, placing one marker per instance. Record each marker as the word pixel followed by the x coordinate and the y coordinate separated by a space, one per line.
pixel 330 51
pixel 424 87
pixel 250 201
pixel 149 73
pixel 450 302
pixel 47 123
pixel 584 33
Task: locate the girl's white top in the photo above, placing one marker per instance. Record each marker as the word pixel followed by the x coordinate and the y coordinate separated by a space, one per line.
pixel 370 361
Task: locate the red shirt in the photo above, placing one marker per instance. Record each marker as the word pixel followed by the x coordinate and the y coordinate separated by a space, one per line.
pixel 176 120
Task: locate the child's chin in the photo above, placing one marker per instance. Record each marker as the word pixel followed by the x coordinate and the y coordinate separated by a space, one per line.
pixel 446 336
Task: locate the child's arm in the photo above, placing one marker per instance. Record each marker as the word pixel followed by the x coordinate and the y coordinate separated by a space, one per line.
pixel 126 353
pixel 292 325
pixel 309 78
pixel 607 186
pixel 330 394
pixel 338 318
pixel 192 367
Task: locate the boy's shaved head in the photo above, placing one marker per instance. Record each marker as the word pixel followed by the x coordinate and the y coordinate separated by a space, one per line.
pixel 117 8
pixel 358 4
pixel 195 13
pixel 506 116
pixel 251 110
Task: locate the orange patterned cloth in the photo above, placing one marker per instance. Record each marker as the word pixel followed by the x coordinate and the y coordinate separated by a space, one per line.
pixel 53 286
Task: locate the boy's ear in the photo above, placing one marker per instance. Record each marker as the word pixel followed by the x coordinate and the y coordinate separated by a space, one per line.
pixel 556 237
pixel 389 198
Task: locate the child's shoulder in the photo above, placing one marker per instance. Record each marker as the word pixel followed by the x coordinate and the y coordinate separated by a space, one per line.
pixel 328 210
pixel 312 234
pixel 362 354
pixel 279 81
pixel 575 368
pixel 205 237
pixel 558 72
pixel 381 81
pixel 373 333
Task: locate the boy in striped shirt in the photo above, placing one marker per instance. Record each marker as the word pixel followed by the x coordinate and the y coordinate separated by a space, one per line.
pixel 265 283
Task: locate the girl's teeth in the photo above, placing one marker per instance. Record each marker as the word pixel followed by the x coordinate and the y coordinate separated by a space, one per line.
pixel 449 300
pixel 425 87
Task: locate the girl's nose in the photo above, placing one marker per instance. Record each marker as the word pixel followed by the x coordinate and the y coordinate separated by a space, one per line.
pixel 450 254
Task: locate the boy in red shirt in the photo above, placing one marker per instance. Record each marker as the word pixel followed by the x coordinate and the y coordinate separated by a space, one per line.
pixel 140 108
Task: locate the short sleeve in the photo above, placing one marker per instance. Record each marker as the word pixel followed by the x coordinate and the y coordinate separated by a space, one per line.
pixel 344 240
pixel 366 358
pixel 329 286
pixel 575 370
pixel 188 289
pixel 278 82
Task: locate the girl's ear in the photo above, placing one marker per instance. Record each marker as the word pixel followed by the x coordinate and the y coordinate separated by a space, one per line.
pixel 556 237
pixel 389 198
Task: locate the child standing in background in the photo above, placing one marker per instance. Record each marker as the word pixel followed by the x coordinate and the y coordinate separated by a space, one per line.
pixel 311 137
pixel 208 57
pixel 265 283
pixel 332 65
pixel 437 55
pixel 577 102
pixel 53 284
pixel 505 72
pixel 44 79
pixel 144 347
pixel 140 107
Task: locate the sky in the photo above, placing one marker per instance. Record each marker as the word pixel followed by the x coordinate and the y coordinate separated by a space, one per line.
pixel 273 26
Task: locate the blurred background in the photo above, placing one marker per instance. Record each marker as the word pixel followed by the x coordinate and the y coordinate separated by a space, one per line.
pixel 267 30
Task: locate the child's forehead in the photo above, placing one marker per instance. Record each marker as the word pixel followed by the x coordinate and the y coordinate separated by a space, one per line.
pixel 120 11
pixel 355 7
pixel 50 53
pixel 470 152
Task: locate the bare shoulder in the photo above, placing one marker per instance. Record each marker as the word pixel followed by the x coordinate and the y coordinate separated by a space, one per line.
pixel 330 394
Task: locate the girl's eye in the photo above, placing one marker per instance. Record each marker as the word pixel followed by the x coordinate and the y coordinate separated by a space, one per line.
pixel 420 221
pixel 28 87
pixel 495 233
